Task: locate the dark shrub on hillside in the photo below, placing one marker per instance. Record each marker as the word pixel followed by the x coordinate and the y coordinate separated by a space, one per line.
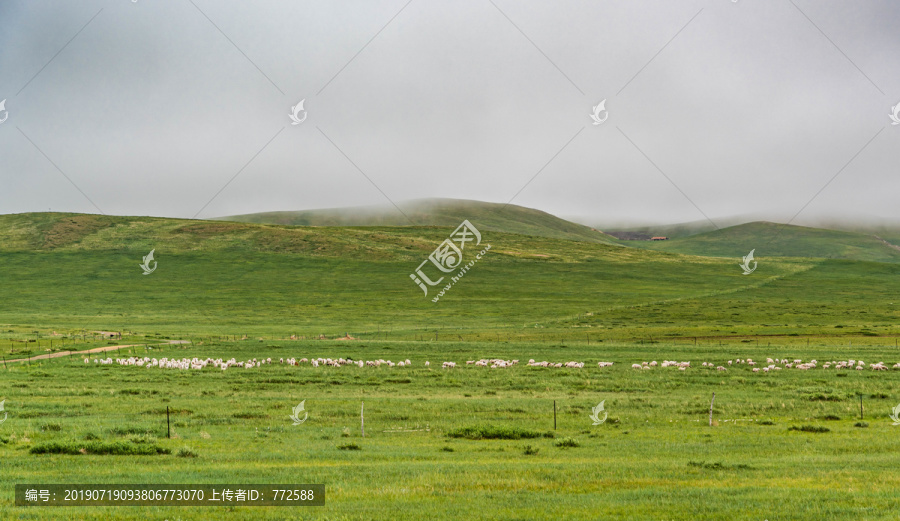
pixel 491 432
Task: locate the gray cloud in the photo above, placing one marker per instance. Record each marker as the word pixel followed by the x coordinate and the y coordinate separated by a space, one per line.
pixel 749 110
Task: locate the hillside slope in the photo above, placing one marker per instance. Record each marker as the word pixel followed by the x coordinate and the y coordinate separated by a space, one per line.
pixel 777 240
pixel 82 272
pixel 436 212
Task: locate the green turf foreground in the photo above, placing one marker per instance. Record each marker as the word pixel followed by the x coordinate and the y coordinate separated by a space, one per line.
pixel 784 446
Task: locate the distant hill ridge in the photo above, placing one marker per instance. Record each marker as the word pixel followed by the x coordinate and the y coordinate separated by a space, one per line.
pixel 437 212
pixel 383 233
pixel 779 240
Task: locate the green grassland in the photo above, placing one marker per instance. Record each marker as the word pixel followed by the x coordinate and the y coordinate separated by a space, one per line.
pixel 655 457
pixel 77 272
pixel 535 294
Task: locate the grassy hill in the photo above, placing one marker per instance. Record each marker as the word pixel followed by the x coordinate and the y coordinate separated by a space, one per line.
pixel 665 230
pixel 437 212
pixel 777 240
pixel 528 297
pixel 81 271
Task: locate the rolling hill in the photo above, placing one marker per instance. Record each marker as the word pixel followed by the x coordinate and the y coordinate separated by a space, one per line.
pixel 437 212
pixel 77 271
pixel 777 240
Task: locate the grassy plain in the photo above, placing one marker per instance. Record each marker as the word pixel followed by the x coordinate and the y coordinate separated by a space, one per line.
pixel 655 457
pixel 65 276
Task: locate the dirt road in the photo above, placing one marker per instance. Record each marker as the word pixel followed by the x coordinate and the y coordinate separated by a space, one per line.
pixel 87 351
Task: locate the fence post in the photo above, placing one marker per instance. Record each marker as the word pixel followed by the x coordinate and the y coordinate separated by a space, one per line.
pixel 711 408
pixel 860 407
pixel 168 428
pixel 554 414
pixel 362 420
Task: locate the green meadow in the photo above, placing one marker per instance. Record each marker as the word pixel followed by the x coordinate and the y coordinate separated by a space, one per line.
pixel 655 456
pixel 461 443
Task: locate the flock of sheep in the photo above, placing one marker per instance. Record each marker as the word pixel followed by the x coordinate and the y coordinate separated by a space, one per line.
pixel 773 365
pixel 199 363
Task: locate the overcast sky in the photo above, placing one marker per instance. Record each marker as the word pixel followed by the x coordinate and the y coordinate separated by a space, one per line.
pixel 715 107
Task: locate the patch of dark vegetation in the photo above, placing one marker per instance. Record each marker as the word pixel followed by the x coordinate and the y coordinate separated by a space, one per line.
pixel 250 415
pixel 548 434
pixel 718 466
pixel 564 443
pixel 809 428
pixel 831 417
pixel 398 380
pixel 129 431
pixel 880 395
pixel 115 448
pixel 447 449
pixel 492 432
pixel 349 446
pixel 530 451
pixel 138 391
pixel 51 427
pixel 823 397
pixel 861 424
pixel 767 422
pixel 39 414
pixel 143 438
pixel 185 452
